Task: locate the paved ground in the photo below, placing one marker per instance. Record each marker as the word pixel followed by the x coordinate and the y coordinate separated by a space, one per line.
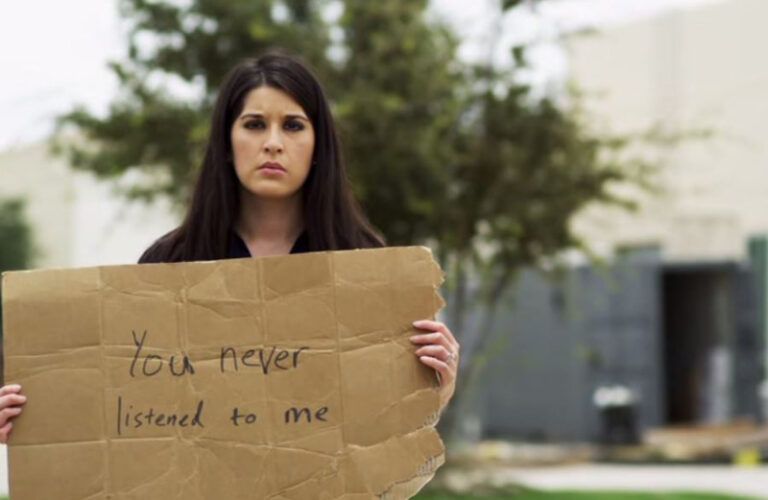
pixel 710 479
pixel 3 470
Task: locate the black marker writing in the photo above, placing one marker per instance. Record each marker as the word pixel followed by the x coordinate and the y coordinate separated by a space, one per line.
pixel 128 419
pixel 153 363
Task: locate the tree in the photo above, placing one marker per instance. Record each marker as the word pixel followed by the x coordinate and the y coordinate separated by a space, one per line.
pixel 150 129
pixel 402 102
pixel 16 250
pixel 462 157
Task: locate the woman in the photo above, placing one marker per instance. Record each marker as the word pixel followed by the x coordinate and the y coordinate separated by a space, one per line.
pixel 273 183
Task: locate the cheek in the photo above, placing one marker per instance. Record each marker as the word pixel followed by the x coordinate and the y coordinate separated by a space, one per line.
pixel 307 152
pixel 307 148
pixel 236 144
pixel 244 153
pixel 241 145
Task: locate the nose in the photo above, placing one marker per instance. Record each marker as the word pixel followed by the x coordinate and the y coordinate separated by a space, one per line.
pixel 274 142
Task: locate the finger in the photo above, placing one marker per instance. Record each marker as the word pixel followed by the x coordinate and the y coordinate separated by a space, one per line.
pixel 436 338
pixel 8 413
pixel 9 389
pixel 437 326
pixel 12 400
pixel 5 431
pixel 436 351
pixel 446 374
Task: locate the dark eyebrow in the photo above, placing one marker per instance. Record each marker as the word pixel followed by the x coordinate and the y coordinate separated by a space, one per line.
pixel 259 115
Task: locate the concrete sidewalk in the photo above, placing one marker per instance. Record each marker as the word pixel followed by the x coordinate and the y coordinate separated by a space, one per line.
pixel 698 478
pixel 3 469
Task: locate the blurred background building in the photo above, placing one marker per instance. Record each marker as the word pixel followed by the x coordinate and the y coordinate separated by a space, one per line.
pixel 76 220
pixel 678 313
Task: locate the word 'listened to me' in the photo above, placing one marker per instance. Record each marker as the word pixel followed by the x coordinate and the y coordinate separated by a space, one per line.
pixel 130 418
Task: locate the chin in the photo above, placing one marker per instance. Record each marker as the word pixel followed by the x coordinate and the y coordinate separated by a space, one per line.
pixel 271 192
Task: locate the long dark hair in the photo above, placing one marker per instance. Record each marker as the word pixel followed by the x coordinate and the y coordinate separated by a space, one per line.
pixel 332 218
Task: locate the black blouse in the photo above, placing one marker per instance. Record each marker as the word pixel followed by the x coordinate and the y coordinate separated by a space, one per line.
pixel 239 250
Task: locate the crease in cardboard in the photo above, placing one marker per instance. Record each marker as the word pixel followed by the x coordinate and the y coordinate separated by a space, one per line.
pixel 344 441
pixel 106 485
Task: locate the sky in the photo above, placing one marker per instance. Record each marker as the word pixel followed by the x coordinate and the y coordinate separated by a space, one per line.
pixel 53 54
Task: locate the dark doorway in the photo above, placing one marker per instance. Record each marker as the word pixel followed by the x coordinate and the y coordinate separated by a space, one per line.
pixel 697 323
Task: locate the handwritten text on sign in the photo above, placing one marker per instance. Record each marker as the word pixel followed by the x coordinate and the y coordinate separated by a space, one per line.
pixel 150 365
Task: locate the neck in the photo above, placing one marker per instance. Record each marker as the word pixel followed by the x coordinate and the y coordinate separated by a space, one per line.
pixel 270 227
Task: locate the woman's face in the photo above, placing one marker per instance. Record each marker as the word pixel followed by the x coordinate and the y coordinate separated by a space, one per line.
pixel 272 144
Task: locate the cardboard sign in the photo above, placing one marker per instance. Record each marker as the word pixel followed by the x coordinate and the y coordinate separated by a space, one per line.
pixel 282 377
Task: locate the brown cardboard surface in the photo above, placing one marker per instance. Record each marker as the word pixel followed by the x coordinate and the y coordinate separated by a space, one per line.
pixel 133 374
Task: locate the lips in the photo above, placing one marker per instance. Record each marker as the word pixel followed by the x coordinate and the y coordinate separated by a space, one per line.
pixel 272 166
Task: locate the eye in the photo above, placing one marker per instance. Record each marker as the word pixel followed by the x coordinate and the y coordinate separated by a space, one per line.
pixel 254 124
pixel 294 125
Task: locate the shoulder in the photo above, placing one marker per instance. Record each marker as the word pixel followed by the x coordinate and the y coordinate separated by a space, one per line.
pixel 163 250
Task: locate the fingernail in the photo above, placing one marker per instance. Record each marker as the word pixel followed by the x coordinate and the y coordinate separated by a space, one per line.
pixel 23 397
pixel 14 387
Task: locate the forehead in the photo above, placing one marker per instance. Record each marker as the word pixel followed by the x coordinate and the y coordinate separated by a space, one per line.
pixel 270 101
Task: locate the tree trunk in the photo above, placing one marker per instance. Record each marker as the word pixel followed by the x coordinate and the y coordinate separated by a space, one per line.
pixel 473 361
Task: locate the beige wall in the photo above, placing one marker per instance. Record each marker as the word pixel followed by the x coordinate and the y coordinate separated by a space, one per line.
pixel 48 189
pixel 702 68
pixel 77 220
